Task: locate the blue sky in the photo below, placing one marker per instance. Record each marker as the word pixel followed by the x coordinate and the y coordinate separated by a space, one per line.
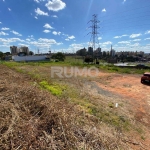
pixel 62 25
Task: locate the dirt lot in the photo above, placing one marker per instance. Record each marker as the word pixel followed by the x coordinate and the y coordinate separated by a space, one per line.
pixel 130 88
pixel 17 93
pixel 126 89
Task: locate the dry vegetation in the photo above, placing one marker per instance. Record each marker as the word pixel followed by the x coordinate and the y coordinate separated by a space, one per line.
pixel 32 118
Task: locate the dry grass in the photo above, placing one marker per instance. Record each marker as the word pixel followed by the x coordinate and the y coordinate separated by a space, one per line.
pixel 32 118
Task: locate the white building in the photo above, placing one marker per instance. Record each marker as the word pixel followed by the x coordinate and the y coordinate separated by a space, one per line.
pixel 112 52
pixel 28 58
pixel 13 50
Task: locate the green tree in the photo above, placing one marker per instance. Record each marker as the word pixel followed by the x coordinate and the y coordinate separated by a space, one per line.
pixel 7 53
pixel 31 53
pixel 59 56
pixel 1 55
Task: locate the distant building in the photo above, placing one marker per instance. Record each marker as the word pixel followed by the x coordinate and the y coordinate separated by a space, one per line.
pixel 81 52
pixel 13 50
pixel 130 53
pixel 112 52
pixel 90 51
pixel 140 53
pixel 98 52
pixel 24 49
pixel 16 50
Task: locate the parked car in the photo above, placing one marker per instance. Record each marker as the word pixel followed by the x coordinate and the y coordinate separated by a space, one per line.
pixel 145 77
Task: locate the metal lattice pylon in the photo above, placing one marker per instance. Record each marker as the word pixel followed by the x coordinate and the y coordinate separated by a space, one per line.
pixel 94 33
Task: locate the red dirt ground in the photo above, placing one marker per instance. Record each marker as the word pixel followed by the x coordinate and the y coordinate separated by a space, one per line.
pixel 129 86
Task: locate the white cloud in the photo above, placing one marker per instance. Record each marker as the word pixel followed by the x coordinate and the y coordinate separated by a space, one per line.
pixel 5 45
pixel 65 34
pixel 46 31
pixel 16 39
pixel 44 43
pixel 135 35
pixel 52 41
pixel 67 39
pixel 9 9
pixel 76 46
pixel 107 43
pixel 54 16
pixel 147 32
pixel 59 43
pixel 71 37
pixel 40 12
pixel 124 42
pixel 10 40
pixel 28 39
pixel 36 17
pixel 5 28
pixel 104 10
pixel 136 44
pixel 55 5
pixel 0 22
pixel 16 33
pixel 147 39
pixel 56 33
pixel 21 44
pixel 48 26
pixel 3 33
pixel 30 36
pixel 117 37
pixel 136 40
pixel 37 1
pixel 99 38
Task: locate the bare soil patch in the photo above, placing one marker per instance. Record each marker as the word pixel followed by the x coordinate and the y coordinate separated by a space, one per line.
pixel 129 87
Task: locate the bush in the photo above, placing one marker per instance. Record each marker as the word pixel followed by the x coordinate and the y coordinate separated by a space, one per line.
pixel 59 56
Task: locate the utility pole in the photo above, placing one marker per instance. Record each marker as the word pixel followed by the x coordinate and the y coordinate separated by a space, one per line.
pixel 94 31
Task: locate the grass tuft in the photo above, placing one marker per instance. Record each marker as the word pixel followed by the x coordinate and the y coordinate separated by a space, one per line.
pixel 55 89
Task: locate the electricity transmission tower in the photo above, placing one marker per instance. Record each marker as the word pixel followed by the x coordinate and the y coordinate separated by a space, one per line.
pixel 94 33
